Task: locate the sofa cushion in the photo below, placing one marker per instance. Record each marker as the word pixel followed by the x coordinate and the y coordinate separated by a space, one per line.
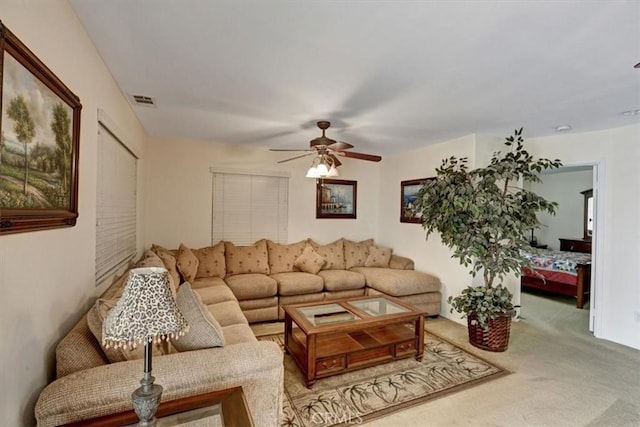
pixel 169 260
pixel 212 290
pixel 95 319
pixel 211 261
pixel 356 253
pixel 236 334
pixel 246 259
pixel 251 286
pixel 187 263
pixel 204 329
pixel 298 283
pixel 333 253
pixel 282 257
pixel 227 313
pixel 79 350
pixel 399 282
pixel 310 261
pixel 400 262
pixel 341 280
pixel 378 257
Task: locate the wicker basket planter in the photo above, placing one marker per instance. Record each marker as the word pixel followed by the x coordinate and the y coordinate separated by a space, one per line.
pixel 495 338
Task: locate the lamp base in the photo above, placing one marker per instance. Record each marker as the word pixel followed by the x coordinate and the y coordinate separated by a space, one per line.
pixel 145 403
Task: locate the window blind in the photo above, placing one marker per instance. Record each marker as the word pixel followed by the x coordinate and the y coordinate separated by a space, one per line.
pixel 248 207
pixel 116 205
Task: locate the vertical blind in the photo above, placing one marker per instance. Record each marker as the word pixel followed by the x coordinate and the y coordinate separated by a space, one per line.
pixel 116 205
pixel 249 207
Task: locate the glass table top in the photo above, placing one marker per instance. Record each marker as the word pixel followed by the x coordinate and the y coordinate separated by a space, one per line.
pixel 331 313
pixel 324 314
pixel 378 306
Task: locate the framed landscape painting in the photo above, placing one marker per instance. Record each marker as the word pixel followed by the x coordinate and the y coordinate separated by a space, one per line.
pixel 39 143
pixel 408 195
pixel 336 198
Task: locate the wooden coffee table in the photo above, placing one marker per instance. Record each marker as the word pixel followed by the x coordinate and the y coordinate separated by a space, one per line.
pixel 333 337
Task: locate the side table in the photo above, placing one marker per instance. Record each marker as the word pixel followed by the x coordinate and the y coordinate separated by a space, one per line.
pixel 226 408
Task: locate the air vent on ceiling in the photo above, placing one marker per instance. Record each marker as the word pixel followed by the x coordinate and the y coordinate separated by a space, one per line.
pixel 143 100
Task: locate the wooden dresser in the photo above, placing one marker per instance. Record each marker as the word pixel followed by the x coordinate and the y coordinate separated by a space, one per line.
pixel 575 245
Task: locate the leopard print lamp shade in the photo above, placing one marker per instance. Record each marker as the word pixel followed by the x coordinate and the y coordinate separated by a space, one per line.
pixel 146 311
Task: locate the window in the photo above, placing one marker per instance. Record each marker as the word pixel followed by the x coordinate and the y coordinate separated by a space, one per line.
pixel 248 207
pixel 116 205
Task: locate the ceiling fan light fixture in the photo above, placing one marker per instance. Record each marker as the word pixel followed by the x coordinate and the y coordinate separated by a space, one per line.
pixel 333 171
pixel 322 170
pixel 312 173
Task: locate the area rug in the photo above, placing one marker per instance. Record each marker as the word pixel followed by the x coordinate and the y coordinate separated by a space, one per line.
pixel 365 394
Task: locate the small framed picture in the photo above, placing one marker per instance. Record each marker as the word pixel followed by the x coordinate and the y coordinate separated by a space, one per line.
pixel 336 198
pixel 408 194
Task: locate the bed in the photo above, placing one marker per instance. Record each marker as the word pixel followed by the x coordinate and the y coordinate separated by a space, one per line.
pixel 559 272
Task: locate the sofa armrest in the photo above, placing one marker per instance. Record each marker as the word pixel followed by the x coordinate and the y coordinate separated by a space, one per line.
pixel 401 263
pixel 256 366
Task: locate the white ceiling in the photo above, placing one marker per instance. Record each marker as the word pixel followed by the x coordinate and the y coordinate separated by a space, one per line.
pixel 390 75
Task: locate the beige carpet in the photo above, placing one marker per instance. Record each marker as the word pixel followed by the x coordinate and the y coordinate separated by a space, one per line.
pixel 561 376
pixel 369 393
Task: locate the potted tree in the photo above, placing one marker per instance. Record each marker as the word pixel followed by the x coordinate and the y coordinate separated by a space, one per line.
pixel 485 216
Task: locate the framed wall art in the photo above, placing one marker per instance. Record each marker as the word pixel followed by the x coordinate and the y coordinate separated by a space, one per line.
pixel 336 198
pixel 408 195
pixel 39 143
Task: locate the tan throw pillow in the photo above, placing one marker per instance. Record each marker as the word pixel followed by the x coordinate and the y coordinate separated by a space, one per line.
pixel 378 257
pixel 212 263
pixel 187 263
pixel 246 259
pixel 356 253
pixel 310 261
pixel 169 260
pixel 204 329
pixel 95 319
pixel 282 258
pixel 333 253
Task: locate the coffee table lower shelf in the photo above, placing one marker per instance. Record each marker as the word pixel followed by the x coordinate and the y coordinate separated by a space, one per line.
pixel 323 355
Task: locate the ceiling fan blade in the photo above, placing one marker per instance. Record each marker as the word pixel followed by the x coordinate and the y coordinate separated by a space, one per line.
pixel 289 149
pixel 335 159
pixel 339 146
pixel 361 156
pixel 296 157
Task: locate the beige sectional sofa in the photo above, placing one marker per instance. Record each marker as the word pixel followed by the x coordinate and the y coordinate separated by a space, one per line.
pixel 265 276
pixel 237 285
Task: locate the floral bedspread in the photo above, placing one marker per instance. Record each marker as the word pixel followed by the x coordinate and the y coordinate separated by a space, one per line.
pixel 558 261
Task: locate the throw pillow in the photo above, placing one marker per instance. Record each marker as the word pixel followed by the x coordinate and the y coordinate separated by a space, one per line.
pixel 211 261
pixel 169 260
pixel 95 320
pixel 333 253
pixel 246 259
pixel 356 253
pixel 187 263
pixel 282 258
pixel 204 329
pixel 310 261
pixel 378 257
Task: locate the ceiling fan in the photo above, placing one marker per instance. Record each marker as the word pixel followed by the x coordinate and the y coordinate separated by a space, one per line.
pixel 327 151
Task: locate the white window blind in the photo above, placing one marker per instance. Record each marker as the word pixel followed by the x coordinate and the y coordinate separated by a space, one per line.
pixel 116 205
pixel 249 207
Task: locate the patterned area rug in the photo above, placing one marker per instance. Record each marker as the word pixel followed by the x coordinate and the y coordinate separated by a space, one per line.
pixel 368 393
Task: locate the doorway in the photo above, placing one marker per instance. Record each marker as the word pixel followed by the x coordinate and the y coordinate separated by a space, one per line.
pixel 574 229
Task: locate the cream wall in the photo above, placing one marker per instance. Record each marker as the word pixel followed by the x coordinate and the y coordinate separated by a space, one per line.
pixel 617 236
pixel 409 239
pixel 47 277
pixel 179 192
pixel 617 240
pixel 563 187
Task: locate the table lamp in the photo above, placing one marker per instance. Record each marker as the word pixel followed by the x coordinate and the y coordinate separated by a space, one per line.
pixel 146 313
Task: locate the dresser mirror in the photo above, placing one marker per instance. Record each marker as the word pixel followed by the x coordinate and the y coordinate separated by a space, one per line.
pixel 588 214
